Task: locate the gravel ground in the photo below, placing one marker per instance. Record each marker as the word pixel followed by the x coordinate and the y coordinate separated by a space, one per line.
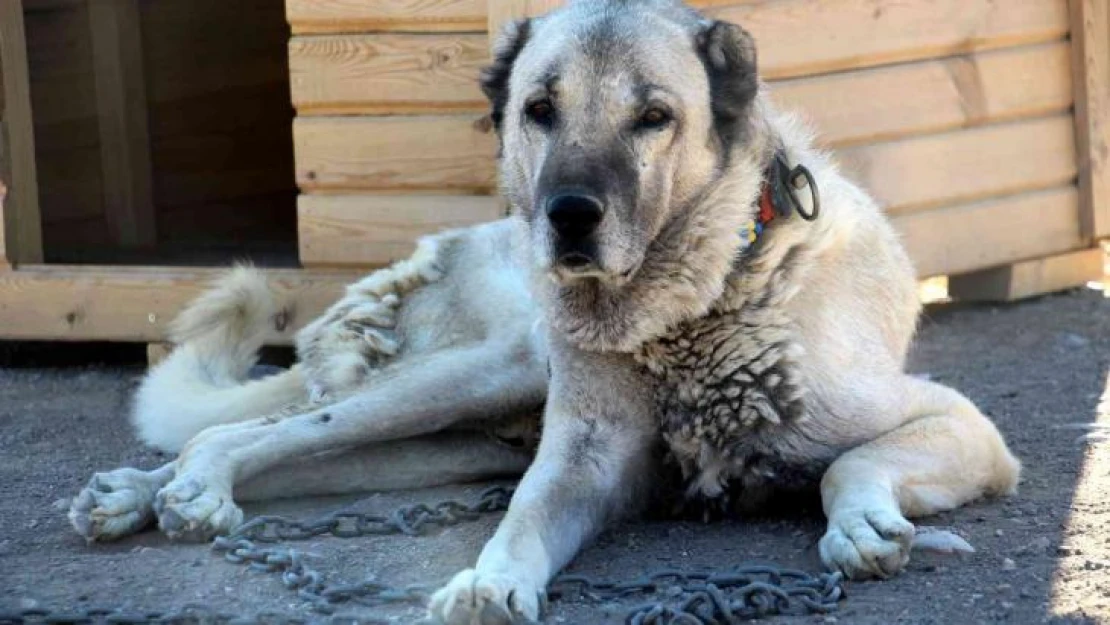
pixel 1043 556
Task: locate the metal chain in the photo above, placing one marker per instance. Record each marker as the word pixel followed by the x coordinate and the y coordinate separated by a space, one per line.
pixel 704 598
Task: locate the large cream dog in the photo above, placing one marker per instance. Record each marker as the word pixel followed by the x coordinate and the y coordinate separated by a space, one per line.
pixel 657 284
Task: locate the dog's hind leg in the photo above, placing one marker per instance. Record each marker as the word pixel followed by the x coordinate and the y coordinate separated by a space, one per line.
pixel 488 381
pixel 945 454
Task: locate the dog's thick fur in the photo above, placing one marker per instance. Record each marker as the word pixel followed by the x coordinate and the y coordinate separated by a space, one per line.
pixel 668 346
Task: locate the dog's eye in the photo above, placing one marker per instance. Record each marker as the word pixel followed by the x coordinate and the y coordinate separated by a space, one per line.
pixel 541 113
pixel 654 118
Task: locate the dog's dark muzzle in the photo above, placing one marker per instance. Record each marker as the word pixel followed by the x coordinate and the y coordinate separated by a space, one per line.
pixel 574 218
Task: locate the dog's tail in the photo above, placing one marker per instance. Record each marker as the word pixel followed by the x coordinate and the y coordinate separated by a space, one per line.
pixel 205 380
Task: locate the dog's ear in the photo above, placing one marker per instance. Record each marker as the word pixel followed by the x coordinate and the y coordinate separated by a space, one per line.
pixel 728 53
pixel 494 79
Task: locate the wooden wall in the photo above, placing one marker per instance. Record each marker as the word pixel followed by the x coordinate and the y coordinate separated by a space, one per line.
pixel 197 163
pixel 956 114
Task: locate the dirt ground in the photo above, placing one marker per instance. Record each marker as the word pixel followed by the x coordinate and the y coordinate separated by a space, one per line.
pixel 1042 557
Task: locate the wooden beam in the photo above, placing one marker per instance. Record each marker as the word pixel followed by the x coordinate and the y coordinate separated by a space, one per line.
pixel 4 264
pixel 1029 278
pixel 122 113
pixel 969 237
pixel 88 303
pixel 370 230
pixel 22 224
pixel 1090 37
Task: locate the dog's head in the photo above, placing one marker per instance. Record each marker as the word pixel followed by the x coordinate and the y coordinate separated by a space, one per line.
pixel 614 116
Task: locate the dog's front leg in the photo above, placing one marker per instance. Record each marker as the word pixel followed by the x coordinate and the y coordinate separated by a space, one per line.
pixel 594 453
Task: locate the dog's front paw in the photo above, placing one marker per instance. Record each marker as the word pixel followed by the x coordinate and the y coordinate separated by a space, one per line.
pixel 867 542
pixel 191 510
pixel 473 598
pixel 115 504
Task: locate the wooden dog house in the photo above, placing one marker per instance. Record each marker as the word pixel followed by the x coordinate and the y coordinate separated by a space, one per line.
pixel 144 134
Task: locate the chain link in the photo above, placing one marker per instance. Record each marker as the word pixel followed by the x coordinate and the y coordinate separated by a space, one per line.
pixel 699 598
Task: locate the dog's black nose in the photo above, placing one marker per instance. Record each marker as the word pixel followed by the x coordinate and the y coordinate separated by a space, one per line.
pixel 574 216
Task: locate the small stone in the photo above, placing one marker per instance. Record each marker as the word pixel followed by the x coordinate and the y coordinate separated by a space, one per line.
pixel 830 619
pixel 1006 605
pixel 28 604
pixel 1035 546
pixel 999 532
pixel 1008 564
pixel 1068 550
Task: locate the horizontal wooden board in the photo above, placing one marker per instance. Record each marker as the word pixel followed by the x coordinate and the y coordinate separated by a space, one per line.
pixel 372 74
pixel 438 154
pixel 324 16
pixel 448 154
pixel 357 230
pixel 979 235
pixel 375 229
pixel 930 96
pixel 796 37
pixel 390 73
pixel 915 174
pixel 68 303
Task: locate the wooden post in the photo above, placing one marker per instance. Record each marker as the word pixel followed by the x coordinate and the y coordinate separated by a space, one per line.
pixel 21 223
pixel 1090 37
pixel 122 113
pixel 502 11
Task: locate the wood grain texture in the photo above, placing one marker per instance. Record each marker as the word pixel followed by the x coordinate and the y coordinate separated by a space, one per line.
pixel 122 113
pixel 448 154
pixel 23 230
pixel 501 12
pixel 438 154
pixel 68 303
pixel 924 172
pixel 375 230
pixel 1090 21
pixel 404 74
pixel 805 37
pixel 931 96
pixel 969 237
pixel 388 73
pixel 1028 278
pixel 330 16
pixel 797 37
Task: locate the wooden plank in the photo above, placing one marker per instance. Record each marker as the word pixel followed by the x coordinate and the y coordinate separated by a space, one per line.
pixel 437 154
pixel 23 230
pixel 1029 278
pixel 800 37
pixel 369 74
pixel 969 237
pixel 69 303
pixel 886 103
pixel 1090 21
pixel 451 154
pixel 331 16
pixel 377 230
pixel 122 114
pixel 375 74
pixel 806 37
pixel 919 173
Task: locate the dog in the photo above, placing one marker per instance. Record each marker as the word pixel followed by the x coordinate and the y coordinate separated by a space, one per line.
pixel 687 290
